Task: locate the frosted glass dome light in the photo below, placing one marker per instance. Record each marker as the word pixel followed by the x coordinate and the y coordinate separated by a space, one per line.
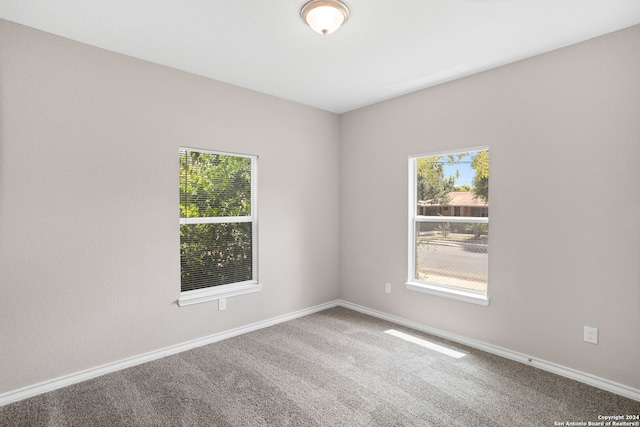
pixel 325 17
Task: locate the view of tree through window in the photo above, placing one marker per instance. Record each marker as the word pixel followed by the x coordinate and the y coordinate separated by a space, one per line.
pixel 216 222
pixel 451 220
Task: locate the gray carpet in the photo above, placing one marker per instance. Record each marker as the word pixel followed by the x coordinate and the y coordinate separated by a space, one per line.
pixel 333 368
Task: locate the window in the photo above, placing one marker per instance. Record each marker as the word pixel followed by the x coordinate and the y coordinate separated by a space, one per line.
pixel 218 225
pixel 449 248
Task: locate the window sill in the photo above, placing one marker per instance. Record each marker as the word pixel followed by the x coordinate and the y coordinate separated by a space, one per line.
pixel 224 291
pixel 457 294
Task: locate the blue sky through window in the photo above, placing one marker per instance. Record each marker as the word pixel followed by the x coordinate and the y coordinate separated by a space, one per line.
pixel 464 168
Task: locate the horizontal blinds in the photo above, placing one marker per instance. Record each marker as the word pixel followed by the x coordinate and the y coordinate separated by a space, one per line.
pixel 215 254
pixel 452 254
pixel 469 219
pixel 217 229
pixel 214 185
pixel 449 219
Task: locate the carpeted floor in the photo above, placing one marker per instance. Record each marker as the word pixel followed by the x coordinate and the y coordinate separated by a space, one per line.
pixel 333 368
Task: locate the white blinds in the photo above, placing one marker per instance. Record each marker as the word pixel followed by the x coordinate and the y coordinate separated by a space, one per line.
pixel 217 219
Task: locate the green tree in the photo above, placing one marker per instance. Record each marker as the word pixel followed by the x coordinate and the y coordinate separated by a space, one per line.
pixel 213 186
pixel 477 229
pixel 432 184
pixel 480 163
pixel 444 229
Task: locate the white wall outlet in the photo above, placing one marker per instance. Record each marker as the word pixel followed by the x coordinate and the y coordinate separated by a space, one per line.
pixel 387 288
pixel 591 334
pixel 222 304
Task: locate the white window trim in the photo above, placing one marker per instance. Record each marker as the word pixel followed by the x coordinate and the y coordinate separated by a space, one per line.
pixel 216 220
pixel 213 293
pixel 437 289
pixel 453 293
pixel 216 292
pixel 473 219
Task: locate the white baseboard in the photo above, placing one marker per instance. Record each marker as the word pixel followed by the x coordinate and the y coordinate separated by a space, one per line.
pixel 621 389
pixel 50 385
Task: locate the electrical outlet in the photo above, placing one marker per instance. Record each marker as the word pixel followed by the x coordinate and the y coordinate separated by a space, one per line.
pixel 222 304
pixel 591 334
pixel 387 288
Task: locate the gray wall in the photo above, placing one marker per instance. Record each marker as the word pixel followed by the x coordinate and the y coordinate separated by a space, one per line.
pixel 564 136
pixel 89 258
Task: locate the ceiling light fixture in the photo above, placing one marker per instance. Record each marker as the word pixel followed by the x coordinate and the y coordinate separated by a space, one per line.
pixel 325 17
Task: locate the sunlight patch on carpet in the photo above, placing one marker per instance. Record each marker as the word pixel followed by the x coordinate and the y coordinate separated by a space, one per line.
pixel 426 344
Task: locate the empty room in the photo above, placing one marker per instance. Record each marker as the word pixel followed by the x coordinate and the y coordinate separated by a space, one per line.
pixel 228 213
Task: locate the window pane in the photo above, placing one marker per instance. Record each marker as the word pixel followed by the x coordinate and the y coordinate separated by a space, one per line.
pixel 452 254
pixel 448 188
pixel 214 185
pixel 215 254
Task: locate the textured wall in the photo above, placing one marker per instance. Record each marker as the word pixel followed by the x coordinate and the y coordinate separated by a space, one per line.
pixel 89 258
pixel 564 135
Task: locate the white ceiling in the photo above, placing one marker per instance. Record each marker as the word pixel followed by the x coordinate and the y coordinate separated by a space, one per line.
pixel 386 49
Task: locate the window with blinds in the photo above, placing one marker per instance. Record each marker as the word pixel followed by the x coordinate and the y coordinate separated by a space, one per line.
pixel 449 248
pixel 218 229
